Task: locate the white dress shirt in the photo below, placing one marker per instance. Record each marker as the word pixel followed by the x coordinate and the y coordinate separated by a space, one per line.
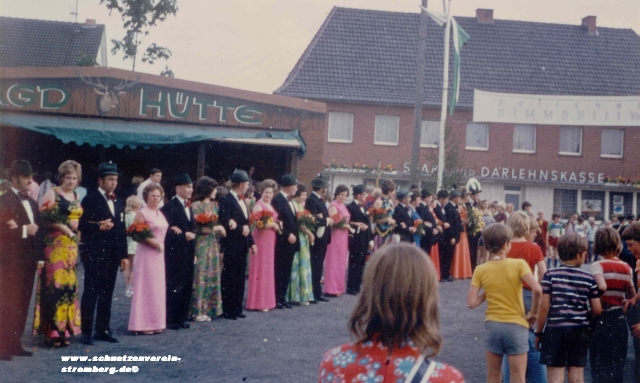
pixel 293 209
pixel 27 207
pixel 109 202
pixel 243 205
pixel 187 211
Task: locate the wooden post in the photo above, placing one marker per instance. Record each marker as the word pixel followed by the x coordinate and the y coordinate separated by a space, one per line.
pixel 417 107
pixel 201 152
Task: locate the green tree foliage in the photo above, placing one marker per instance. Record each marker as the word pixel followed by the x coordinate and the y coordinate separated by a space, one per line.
pixel 138 17
pixel 86 60
pixel 453 163
pixel 166 72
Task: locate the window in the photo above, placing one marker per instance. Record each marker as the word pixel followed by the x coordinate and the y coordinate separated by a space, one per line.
pixel 565 202
pixel 612 140
pixel 592 204
pixel 386 130
pixel 477 136
pixel 512 195
pixel 340 127
pixel 430 135
pixel 571 140
pixel 524 138
pixel 620 203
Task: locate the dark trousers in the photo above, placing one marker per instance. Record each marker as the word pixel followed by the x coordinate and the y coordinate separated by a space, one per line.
pixel 179 281
pixel 318 252
pixel 99 281
pixel 357 260
pixel 447 250
pixel 16 285
pixel 282 266
pixel 232 281
pixel 633 317
pixel 473 250
pixel 608 347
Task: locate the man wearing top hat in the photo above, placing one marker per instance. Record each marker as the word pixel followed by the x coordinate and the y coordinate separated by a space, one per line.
pixel 287 242
pixel 360 241
pixel 318 248
pixel 179 253
pixel 402 215
pixel 105 248
pixel 21 248
pixel 233 215
pixel 431 227
pixel 474 201
pixel 450 235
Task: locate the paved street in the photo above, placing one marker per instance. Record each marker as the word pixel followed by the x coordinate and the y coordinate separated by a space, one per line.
pixel 279 346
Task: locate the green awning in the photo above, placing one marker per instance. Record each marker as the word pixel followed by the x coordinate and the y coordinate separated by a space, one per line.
pixel 120 133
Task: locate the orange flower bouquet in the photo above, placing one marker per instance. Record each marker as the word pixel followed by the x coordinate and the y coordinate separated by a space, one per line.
pixel 206 220
pixel 139 231
pixel 306 219
pixel 261 219
pixel 377 214
pixel 420 227
pixel 339 222
pixel 50 212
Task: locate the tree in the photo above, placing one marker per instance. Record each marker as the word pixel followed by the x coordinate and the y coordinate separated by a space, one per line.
pixel 138 17
pixel 166 72
pixel 453 163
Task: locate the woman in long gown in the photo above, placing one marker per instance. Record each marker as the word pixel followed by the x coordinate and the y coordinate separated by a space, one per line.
pixel 335 262
pixel 384 224
pixel 300 288
pixel 148 306
pixel 262 285
pixel 435 253
pixel 206 300
pixel 57 313
pixel 415 201
pixel 461 265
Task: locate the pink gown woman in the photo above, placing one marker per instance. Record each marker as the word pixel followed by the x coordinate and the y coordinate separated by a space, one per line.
pixel 148 306
pixel 335 262
pixel 262 286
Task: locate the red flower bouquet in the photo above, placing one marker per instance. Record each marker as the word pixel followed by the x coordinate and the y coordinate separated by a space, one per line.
pixel 339 222
pixel 206 220
pixel 50 212
pixel 139 231
pixel 306 219
pixel 262 218
pixel 420 227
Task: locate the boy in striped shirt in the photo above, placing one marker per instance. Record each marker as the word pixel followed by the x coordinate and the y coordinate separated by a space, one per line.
pixel 562 334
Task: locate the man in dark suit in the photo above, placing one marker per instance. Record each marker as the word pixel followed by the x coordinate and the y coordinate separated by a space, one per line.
pixel 474 201
pixel 360 241
pixel 21 248
pixel 234 217
pixel 318 249
pixel 287 242
pixel 450 235
pixel 402 215
pixel 105 247
pixel 179 253
pixel 431 227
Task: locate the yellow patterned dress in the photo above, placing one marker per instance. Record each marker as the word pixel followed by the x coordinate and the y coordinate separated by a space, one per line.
pixel 57 312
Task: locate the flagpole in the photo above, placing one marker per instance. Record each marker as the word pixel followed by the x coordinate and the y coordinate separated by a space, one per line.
pixel 445 89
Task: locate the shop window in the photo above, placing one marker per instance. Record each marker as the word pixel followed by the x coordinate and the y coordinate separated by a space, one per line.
pixel 512 195
pixel 612 142
pixel 571 140
pixel 592 204
pixel 565 202
pixel 340 127
pixel 524 138
pixel 477 136
pixel 386 130
pixel 620 204
pixel 430 134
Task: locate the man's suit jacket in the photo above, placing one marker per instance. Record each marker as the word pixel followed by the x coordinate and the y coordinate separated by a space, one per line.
pixel 289 221
pixel 229 209
pixel 359 241
pixel 402 215
pixel 428 239
pixel 14 249
pixel 108 246
pixel 177 243
pixel 317 207
pixel 453 218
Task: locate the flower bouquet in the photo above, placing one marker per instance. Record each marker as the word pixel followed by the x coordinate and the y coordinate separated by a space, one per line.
pixel 206 220
pixel 476 224
pixel 50 212
pixel 420 227
pixel 377 214
pixel 262 218
pixel 339 222
pixel 306 219
pixel 139 231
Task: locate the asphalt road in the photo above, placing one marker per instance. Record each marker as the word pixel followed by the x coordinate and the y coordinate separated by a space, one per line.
pixel 278 346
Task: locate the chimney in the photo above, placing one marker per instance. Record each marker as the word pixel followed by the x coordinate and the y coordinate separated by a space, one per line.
pixel 484 15
pixel 590 23
pixel 90 22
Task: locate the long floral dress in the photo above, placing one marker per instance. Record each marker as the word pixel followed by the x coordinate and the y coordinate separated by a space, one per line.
pixel 300 288
pixel 57 312
pixel 384 231
pixel 206 298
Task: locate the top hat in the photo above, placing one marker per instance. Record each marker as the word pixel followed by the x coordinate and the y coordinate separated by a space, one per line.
pixel 319 183
pixel 463 192
pixel 443 194
pixel 425 193
pixel 402 193
pixel 107 169
pixel 455 193
pixel 288 180
pixel 182 179
pixel 239 176
pixel 21 168
pixel 358 189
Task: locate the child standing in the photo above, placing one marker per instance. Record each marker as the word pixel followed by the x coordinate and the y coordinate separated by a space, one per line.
pixel 506 323
pixel 579 228
pixel 609 341
pixel 562 332
pixel 554 231
pixel 133 205
pixel 591 234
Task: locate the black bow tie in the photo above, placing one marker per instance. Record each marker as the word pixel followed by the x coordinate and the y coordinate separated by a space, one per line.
pixel 23 195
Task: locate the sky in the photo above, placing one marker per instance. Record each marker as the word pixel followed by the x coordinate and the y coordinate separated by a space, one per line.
pixel 254 44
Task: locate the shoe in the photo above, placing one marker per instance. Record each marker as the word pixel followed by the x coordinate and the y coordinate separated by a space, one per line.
pixel 294 303
pixel 265 310
pixel 450 279
pixel 331 295
pixel 241 315
pixel 322 299
pixel 201 318
pixel 185 325
pixel 106 337
pixel 230 317
pixel 304 303
pixel 128 293
pixel 5 357
pixel 173 326
pixel 279 306
pixel 21 352
pixel 313 302
pixel 86 339
pixel 286 305
pixel 147 332
pixel 352 293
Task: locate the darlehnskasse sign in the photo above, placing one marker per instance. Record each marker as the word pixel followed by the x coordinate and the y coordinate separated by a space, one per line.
pixel 556 110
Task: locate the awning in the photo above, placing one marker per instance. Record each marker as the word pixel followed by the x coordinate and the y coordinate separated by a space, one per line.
pixel 120 133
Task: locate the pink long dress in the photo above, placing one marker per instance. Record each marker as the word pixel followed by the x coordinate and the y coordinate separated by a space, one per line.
pixel 148 306
pixel 335 262
pixel 262 286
